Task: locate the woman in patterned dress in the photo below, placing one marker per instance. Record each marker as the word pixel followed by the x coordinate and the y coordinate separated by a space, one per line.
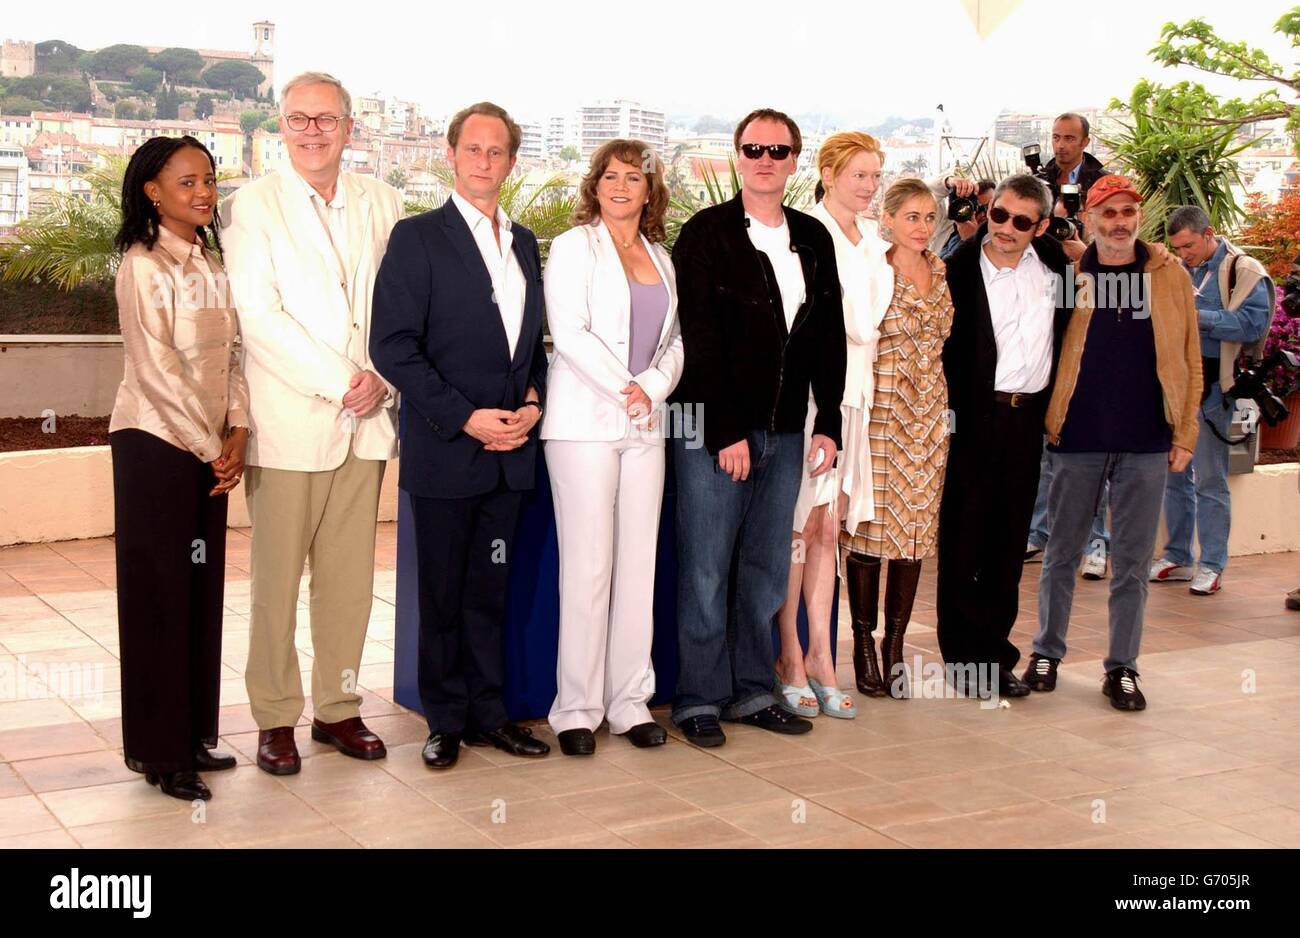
pixel 908 434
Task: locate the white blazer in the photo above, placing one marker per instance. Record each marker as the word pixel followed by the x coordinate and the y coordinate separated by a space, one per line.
pixel 306 332
pixel 588 308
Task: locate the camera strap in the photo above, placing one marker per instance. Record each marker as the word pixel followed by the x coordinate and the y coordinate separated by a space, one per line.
pixel 1215 430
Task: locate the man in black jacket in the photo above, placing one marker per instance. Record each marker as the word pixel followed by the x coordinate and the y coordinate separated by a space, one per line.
pixel 1070 162
pixel 759 304
pixel 1000 361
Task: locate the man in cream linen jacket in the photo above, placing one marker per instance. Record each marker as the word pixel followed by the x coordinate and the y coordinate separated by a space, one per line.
pixel 302 248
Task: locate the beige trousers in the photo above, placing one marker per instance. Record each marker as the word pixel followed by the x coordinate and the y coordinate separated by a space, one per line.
pixel 327 518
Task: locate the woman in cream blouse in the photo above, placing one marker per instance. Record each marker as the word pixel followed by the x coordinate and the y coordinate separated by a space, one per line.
pixel 611 302
pixel 850 166
pixel 177 436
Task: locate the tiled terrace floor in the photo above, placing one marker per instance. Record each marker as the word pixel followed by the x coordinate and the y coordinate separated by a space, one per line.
pixel 1213 762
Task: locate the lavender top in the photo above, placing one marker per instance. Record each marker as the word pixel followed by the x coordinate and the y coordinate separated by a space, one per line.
pixel 649 307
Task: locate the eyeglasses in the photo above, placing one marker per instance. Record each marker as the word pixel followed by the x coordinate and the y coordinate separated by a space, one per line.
pixel 325 123
pixel 998 215
pixel 755 151
pixel 1128 213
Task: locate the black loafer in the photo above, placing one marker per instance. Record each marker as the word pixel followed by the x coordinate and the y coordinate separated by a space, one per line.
pixel 703 730
pixel 776 720
pixel 516 740
pixel 1040 673
pixel 1011 686
pixel 577 742
pixel 207 761
pixel 1121 687
pixel 647 735
pixel 186 786
pixel 441 750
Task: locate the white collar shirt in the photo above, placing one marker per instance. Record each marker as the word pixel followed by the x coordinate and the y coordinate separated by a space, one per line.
pixel 508 287
pixel 1022 304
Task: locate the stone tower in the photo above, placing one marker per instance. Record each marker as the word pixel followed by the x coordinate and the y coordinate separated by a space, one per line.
pixel 264 56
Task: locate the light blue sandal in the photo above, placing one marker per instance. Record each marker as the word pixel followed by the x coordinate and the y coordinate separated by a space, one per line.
pixel 832 700
pixel 793 698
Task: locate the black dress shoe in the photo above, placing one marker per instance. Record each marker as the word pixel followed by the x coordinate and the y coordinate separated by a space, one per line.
pixel 207 761
pixel 186 786
pixel 646 735
pixel 1040 674
pixel 703 730
pixel 1011 686
pixel 577 742
pixel 1121 687
pixel 516 740
pixel 776 720
pixel 441 750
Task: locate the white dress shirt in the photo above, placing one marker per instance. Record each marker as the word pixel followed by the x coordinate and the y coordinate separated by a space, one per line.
pixel 775 243
pixel 508 288
pixel 1022 303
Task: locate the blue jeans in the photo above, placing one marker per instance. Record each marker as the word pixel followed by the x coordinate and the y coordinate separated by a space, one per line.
pixel 729 530
pixel 1197 499
pixel 1040 529
pixel 1136 480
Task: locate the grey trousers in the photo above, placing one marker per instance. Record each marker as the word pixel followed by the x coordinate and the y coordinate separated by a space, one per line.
pixel 1137 482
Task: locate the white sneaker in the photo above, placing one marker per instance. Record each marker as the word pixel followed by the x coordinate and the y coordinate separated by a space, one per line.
pixel 1094 565
pixel 1205 583
pixel 1033 553
pixel 1164 571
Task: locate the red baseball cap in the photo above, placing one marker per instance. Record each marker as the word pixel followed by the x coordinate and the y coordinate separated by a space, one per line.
pixel 1107 187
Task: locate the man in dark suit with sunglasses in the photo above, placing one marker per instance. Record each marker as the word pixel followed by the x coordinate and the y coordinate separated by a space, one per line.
pixel 1010 312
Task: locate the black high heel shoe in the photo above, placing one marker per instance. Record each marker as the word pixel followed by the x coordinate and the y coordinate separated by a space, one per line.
pixel 208 761
pixel 186 786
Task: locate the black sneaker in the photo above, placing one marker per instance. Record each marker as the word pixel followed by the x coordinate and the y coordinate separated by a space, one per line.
pixel 1121 687
pixel 1040 674
pixel 703 730
pixel 1011 686
pixel 777 720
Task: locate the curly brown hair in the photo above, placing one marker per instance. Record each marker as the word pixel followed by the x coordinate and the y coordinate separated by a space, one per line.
pixel 634 153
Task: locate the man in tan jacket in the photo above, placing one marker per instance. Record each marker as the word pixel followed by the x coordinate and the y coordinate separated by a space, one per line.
pixel 1124 410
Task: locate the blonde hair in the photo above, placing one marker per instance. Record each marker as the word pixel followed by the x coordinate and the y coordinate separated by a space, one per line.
pixel 634 153
pixel 319 78
pixel 897 195
pixel 839 149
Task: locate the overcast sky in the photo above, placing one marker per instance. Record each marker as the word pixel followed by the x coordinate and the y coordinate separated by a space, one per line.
pixel 858 59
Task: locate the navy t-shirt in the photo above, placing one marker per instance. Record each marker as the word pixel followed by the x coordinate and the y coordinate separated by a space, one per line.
pixel 1118 404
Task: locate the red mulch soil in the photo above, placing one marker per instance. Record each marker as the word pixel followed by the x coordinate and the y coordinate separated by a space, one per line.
pixel 1268 457
pixel 23 433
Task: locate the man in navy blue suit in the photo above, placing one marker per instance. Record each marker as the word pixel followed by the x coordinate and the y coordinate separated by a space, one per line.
pixel 457 329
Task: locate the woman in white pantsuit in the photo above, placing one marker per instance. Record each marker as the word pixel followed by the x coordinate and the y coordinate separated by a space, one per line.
pixel 611 304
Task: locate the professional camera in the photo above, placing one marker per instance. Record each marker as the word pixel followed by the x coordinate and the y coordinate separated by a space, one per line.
pixel 1034 161
pixel 1257 383
pixel 962 209
pixel 1063 229
pixel 1291 291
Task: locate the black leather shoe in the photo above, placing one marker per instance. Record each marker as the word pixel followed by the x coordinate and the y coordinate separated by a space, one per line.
pixel 207 761
pixel 577 742
pixel 1040 674
pixel 186 786
pixel 1011 686
pixel 703 730
pixel 516 740
pixel 776 720
pixel 441 750
pixel 1121 687
pixel 647 735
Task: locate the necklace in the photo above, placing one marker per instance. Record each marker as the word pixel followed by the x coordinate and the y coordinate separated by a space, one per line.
pixel 625 245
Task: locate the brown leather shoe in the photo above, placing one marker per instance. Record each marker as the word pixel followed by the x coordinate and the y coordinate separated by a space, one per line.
pixel 277 753
pixel 349 737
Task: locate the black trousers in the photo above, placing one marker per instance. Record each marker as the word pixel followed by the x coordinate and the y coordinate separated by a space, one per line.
pixel 171 567
pixel 988 502
pixel 463 550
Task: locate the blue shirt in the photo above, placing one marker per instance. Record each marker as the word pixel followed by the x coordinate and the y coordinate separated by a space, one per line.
pixel 1245 325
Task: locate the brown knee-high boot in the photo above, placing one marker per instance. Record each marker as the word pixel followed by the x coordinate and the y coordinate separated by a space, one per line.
pixel 862 574
pixel 900 591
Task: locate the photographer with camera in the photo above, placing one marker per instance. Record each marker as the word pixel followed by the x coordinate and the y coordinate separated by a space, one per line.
pixel 966 215
pixel 1234 306
pixel 949 193
pixel 1070 164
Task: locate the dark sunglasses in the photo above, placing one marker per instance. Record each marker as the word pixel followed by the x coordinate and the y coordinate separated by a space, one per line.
pixel 754 151
pixel 998 215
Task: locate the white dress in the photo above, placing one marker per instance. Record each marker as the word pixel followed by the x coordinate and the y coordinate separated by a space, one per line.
pixel 867 286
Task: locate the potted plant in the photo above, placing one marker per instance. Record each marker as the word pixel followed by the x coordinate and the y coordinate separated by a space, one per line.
pixel 1283 334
